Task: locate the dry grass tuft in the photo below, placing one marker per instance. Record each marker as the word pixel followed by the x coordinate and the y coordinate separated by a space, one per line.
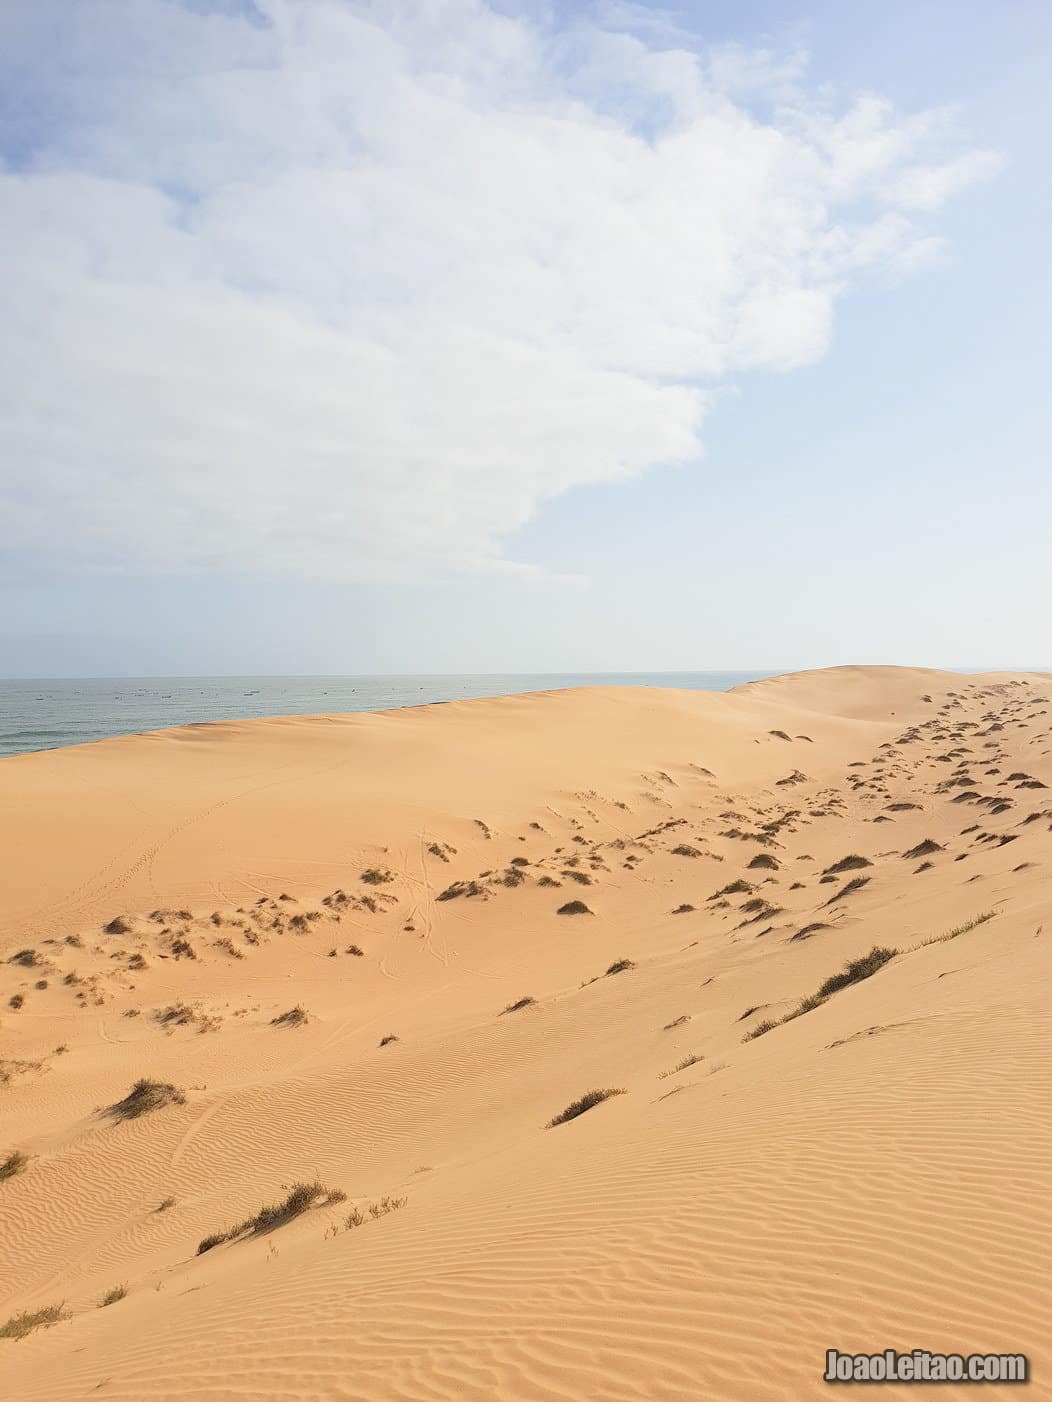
pixel 14 1163
pixel 294 1017
pixel 300 1198
pixel 144 1098
pixel 519 1005
pixel 586 1102
pixel 19 1325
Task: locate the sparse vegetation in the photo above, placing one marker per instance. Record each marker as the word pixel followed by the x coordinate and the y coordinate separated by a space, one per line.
pixel 386 1041
pixel 519 1005
pixel 761 1027
pixel 294 1017
pixel 619 966
pixel 112 1296
pixel 573 908
pixel 460 888
pixel 300 1198
pixel 356 1217
pixel 375 877
pixel 950 934
pixel 849 863
pixel 14 1163
pixel 922 849
pixel 691 1059
pixel 735 888
pixel 848 889
pixel 144 1098
pixel 853 972
pixel 578 1107
pixel 19 1325
pixel 809 930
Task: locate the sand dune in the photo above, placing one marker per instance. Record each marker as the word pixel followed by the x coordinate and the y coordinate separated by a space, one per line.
pixel 870 1171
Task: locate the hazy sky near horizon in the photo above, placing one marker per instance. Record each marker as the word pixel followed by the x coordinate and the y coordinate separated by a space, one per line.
pixel 438 335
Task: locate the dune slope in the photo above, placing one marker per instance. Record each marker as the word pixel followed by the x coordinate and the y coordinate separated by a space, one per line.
pixel 382 952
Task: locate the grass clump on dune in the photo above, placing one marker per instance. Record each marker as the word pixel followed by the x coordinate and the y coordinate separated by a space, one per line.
pixel 941 939
pixel 619 966
pixel 850 863
pixel 144 1097
pixel 375 877
pixel 518 1005
pixel 573 908
pixel 294 1017
pixel 112 1296
pixel 586 1102
pixel 853 972
pixel 14 1163
pixel 19 1325
pixel 300 1198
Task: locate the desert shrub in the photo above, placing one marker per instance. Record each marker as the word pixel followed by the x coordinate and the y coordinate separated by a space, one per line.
pixel 922 849
pixel 375 877
pixel 14 1163
pixel 460 888
pixel 849 863
pixel 386 1041
pixel 300 1198
pixel 19 1325
pixel 293 1017
pixel 848 889
pixel 976 920
pixel 761 1027
pixel 809 930
pixel 112 1296
pixel 735 888
pixel 519 1005
pixel 853 972
pixel 619 966
pixel 144 1098
pixel 691 1059
pixel 578 1107
pixel 573 908
pixel 857 970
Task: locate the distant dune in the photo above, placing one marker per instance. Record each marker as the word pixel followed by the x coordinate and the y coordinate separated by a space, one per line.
pixel 803 929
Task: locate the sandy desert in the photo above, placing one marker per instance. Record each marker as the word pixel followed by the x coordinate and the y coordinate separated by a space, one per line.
pixel 291 1009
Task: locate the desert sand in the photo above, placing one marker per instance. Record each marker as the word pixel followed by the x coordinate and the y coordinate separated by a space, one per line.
pixel 317 930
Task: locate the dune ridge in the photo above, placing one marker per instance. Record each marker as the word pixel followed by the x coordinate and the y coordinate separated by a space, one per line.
pixel 382 952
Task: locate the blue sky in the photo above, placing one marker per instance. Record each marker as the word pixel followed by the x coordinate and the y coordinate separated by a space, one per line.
pixel 454 338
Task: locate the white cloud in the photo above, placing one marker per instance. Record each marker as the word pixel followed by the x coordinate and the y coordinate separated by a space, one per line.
pixel 351 287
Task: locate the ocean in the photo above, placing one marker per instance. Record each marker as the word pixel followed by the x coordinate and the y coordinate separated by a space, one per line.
pixel 43 715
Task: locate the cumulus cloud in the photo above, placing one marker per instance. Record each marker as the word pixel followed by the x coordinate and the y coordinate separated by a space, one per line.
pixel 347 287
